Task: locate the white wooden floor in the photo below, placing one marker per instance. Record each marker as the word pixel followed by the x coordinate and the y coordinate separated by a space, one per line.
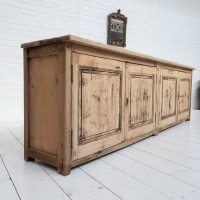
pixel 163 167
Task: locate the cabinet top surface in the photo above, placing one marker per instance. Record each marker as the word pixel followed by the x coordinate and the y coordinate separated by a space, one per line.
pixel 89 43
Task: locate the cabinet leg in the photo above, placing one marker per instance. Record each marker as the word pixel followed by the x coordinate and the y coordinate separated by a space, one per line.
pixel 28 159
pixel 64 170
pixel 187 119
pixel 156 133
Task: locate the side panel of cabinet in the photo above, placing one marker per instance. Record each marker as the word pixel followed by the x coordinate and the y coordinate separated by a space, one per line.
pixel 184 95
pixel 140 100
pixel 97 104
pixel 168 97
pixel 46 101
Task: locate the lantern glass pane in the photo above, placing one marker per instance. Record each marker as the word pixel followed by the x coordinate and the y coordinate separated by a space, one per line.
pixel 117 27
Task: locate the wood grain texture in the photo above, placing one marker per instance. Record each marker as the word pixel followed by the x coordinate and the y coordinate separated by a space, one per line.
pixel 99 87
pixel 168 96
pixel 168 106
pixel 42 156
pixel 99 104
pixel 65 156
pixel 111 149
pixel 26 107
pixel 84 99
pixel 109 55
pixel 184 95
pixel 141 98
pixel 46 102
pixel 45 50
pixel 97 45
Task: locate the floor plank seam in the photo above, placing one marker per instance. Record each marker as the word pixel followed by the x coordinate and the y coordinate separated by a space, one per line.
pixel 99 183
pixel 164 158
pixel 10 177
pixel 179 144
pixel 55 181
pixel 137 179
pixel 167 142
pixel 173 151
pixel 161 171
pixel 12 134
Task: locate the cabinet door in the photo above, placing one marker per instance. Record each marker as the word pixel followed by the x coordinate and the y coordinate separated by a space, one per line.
pixel 98 113
pixel 184 95
pixel 168 97
pixel 140 94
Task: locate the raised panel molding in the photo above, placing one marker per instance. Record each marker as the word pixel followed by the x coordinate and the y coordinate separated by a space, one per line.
pixel 141 100
pixel 98 109
pixel 184 95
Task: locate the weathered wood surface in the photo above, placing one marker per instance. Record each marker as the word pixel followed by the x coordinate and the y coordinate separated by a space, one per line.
pixel 82 102
pixel 45 102
pixel 168 86
pixel 168 97
pixel 184 95
pixel 99 94
pixel 98 91
pixel 97 45
pixel 140 97
pixel 26 106
pixel 65 140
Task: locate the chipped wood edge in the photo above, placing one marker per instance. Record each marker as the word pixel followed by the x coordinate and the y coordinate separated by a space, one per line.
pixel 98 45
pixel 110 149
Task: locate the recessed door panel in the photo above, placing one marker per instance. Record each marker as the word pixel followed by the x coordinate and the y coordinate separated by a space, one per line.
pixel 184 95
pixel 140 94
pixel 141 99
pixel 98 90
pixel 99 97
pixel 168 107
pixel 168 81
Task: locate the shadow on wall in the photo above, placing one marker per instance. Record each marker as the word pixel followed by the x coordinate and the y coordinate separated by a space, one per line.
pixel 198 96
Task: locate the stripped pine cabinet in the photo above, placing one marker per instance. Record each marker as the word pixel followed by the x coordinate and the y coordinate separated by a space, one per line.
pixel 84 99
pixel 168 97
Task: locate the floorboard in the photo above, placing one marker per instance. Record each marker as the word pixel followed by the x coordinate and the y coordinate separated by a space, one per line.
pixel 81 186
pixel 195 154
pixel 162 182
pixel 121 183
pixel 7 189
pixel 163 167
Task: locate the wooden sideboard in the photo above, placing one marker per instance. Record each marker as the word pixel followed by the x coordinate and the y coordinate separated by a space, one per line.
pixel 84 99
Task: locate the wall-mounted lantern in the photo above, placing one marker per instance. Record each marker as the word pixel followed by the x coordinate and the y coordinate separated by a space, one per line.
pixel 117 29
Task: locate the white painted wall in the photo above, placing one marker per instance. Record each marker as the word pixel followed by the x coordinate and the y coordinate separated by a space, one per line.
pixel 165 29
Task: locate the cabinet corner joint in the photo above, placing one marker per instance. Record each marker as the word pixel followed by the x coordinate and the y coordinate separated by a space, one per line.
pixel 71 73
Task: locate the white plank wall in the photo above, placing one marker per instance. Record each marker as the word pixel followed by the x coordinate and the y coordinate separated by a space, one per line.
pixel 165 29
pixel 163 167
